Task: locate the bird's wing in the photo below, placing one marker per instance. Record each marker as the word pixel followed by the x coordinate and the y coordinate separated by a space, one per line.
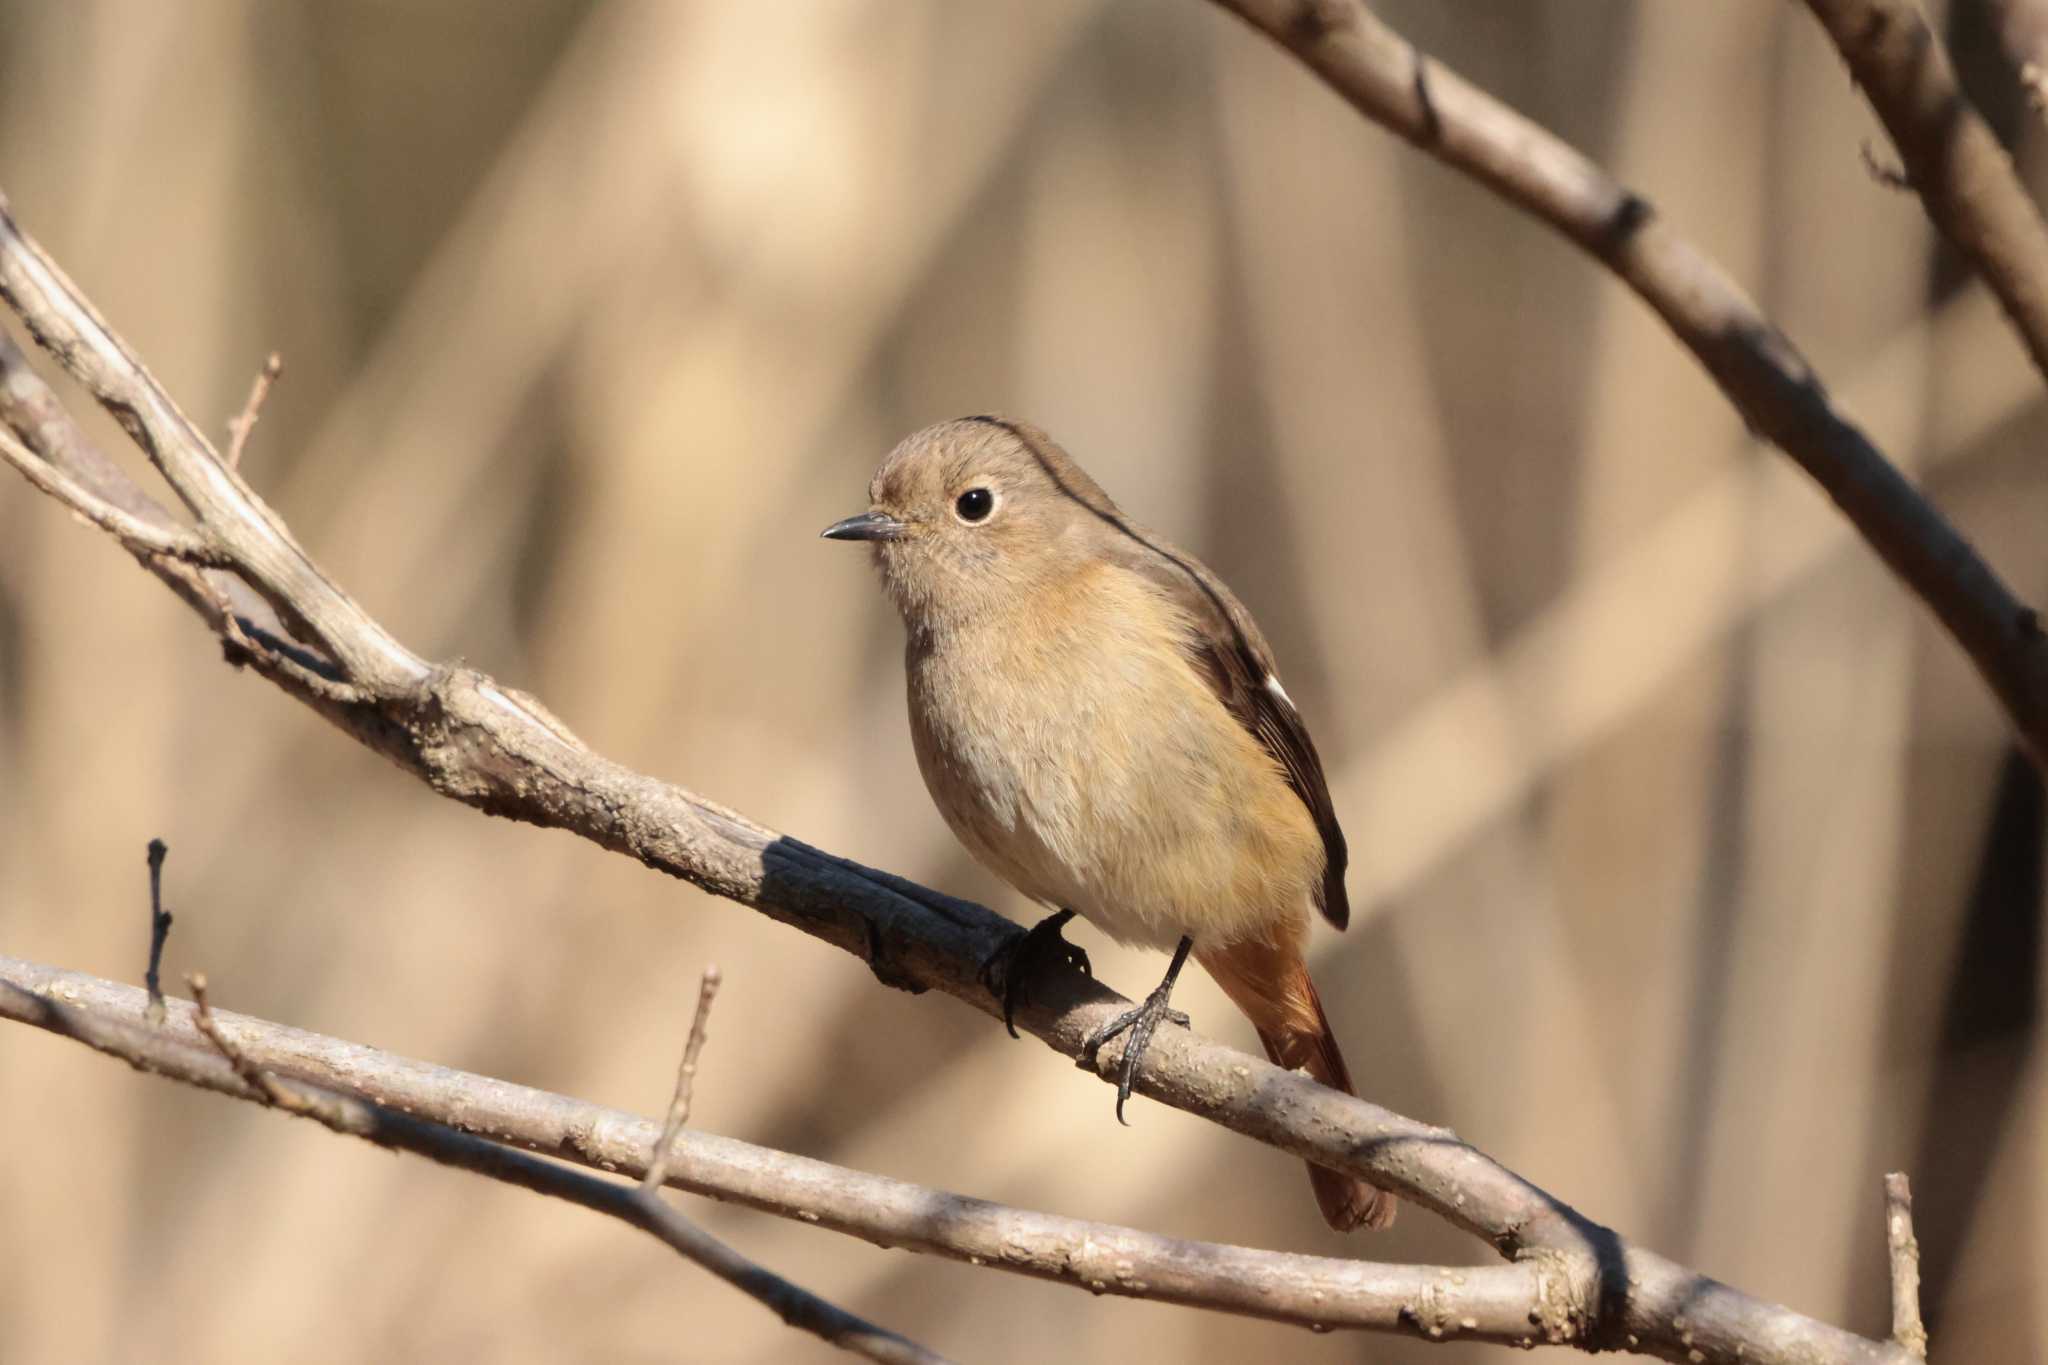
pixel 1227 649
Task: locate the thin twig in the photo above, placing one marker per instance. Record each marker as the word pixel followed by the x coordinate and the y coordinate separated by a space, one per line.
pixel 159 931
pixel 142 536
pixel 686 1080
pixel 240 427
pixel 387 1127
pixel 253 1076
pixel 1907 1328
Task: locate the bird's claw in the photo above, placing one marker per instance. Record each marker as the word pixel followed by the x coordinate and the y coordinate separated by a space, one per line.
pixel 1023 956
pixel 1141 1023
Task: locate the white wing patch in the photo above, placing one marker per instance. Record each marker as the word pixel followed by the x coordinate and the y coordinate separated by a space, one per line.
pixel 1273 686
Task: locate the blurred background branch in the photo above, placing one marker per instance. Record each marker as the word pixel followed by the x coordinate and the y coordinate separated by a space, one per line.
pixel 1954 161
pixel 1390 81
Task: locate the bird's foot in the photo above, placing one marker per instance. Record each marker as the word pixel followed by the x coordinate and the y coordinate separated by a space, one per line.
pixel 1141 1024
pixel 1023 956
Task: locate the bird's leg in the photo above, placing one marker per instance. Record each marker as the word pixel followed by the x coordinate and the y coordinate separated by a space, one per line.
pixel 1141 1022
pixel 1026 955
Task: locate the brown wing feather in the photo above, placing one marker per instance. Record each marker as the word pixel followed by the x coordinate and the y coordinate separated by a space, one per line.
pixel 1227 649
pixel 1240 676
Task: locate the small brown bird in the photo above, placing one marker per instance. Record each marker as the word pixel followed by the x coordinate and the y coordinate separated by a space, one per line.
pixel 1098 720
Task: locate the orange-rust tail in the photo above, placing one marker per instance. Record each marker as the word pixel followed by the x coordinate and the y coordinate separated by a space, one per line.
pixel 1271 985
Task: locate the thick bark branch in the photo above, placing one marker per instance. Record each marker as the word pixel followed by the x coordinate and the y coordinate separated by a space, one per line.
pixel 1386 78
pixel 473 739
pixel 1954 162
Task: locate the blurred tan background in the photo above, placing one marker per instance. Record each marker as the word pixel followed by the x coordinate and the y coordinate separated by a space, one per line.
pixel 1699 882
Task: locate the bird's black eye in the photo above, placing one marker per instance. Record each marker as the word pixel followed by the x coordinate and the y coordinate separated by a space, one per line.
pixel 974 504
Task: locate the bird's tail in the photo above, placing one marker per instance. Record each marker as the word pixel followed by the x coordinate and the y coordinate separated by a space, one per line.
pixel 1271 985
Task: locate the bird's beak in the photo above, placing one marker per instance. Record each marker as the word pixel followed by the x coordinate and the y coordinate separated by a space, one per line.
pixel 866 526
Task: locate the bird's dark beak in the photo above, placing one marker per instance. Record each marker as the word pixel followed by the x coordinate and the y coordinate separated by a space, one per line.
pixel 866 526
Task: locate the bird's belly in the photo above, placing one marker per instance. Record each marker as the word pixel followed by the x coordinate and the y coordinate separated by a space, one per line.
pixel 1120 791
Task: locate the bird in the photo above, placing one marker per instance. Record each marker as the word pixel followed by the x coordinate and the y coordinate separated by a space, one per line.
pixel 1100 722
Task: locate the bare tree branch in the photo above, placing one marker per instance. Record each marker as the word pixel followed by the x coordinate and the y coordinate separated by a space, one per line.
pixel 1488 1302
pixel 1386 78
pixel 228 1068
pixel 1953 159
pixel 1907 1328
pixel 477 741
pixel 263 550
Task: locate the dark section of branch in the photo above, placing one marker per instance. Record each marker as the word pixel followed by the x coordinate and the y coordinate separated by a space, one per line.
pixel 1387 79
pixel 1953 159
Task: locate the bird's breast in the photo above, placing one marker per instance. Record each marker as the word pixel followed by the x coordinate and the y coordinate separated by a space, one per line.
pixel 1077 753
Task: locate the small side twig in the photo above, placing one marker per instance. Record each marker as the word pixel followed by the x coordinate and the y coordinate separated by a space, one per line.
pixel 1907 1328
pixel 240 427
pixel 686 1081
pixel 253 1076
pixel 159 932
